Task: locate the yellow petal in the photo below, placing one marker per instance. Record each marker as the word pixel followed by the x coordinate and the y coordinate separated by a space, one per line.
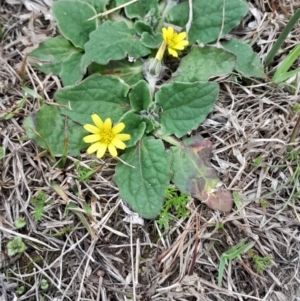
pixel 181 36
pixel 107 124
pixel 97 120
pixel 170 31
pixel 122 137
pixel 101 150
pixel 118 143
pixel 91 128
pixel 172 52
pixel 118 128
pixel 179 46
pixel 94 147
pixel 112 150
pixel 165 33
pixel 92 138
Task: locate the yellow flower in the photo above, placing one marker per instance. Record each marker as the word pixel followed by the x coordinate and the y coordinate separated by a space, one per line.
pixel 175 41
pixel 104 136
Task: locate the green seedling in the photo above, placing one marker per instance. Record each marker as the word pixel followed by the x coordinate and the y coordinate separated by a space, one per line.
pixel 85 173
pixel 21 290
pixel 44 285
pixel 15 246
pixel 264 203
pixel 175 202
pixel 39 203
pixel 260 263
pixel 20 222
pixel 234 252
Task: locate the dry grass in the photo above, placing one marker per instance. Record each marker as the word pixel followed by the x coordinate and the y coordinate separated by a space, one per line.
pixel 118 260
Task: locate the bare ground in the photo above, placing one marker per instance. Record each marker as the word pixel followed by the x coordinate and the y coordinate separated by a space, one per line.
pixel 125 261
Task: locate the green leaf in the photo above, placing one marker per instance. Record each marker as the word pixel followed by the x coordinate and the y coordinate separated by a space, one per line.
pixel 151 41
pixel 141 27
pixel 71 73
pixel 112 41
pixel 72 20
pixel 185 105
pixel 135 126
pixel 52 53
pixel 47 128
pixel 248 62
pixel 143 185
pixel 140 8
pixel 130 72
pixel 103 95
pixel 99 5
pixel 209 18
pixel 282 73
pixel 140 97
pixel 203 63
pixel 193 174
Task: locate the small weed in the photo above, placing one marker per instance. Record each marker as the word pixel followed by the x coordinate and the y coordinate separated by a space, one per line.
pixel 84 173
pixel 176 202
pixel 21 290
pixel 15 246
pixel 260 263
pixel 20 222
pixel 39 203
pixel 264 203
pixel 44 285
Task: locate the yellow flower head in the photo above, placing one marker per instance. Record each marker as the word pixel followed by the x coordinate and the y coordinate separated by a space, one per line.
pixel 175 41
pixel 104 136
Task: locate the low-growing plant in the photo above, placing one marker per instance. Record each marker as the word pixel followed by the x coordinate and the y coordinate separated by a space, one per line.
pixel 39 202
pixel 260 263
pixel 20 222
pixel 173 208
pixel 44 284
pixel 15 246
pixel 111 63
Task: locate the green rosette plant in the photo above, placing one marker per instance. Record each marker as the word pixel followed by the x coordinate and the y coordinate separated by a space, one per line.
pixel 120 94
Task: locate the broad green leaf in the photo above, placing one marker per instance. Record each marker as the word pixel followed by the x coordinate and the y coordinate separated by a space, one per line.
pixel 135 126
pixel 72 20
pixel 143 185
pixel 140 9
pixel 140 97
pixel 52 53
pixel 141 27
pixel 151 41
pixel 193 174
pixel 130 72
pixel 185 105
pixel 203 63
pixel 209 18
pixel 248 63
pixel 103 95
pixel 48 129
pixel 112 41
pixel 99 5
pixel 70 72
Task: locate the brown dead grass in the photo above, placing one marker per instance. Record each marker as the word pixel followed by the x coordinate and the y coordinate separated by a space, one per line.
pixel 125 261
